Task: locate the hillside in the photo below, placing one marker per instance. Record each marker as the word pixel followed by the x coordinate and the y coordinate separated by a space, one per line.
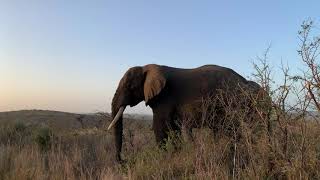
pixel 61 120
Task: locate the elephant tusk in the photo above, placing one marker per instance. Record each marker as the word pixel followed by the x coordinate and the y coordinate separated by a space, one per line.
pixel 117 117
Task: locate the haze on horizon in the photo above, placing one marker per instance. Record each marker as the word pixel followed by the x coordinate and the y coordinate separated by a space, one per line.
pixel 70 55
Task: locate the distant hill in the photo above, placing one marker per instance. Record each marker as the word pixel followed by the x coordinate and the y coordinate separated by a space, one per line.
pixel 62 120
pixel 138 116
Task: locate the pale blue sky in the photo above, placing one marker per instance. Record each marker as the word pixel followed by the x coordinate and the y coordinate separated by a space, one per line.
pixel 70 55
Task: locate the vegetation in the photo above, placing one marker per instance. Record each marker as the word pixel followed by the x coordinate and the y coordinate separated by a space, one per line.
pixel 88 154
pixel 287 146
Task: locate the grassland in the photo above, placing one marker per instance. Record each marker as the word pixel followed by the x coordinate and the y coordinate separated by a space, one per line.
pixel 36 145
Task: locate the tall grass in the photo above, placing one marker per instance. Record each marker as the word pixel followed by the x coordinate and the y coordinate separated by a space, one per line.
pixel 88 154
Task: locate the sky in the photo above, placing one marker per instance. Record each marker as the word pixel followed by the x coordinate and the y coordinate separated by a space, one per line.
pixel 70 55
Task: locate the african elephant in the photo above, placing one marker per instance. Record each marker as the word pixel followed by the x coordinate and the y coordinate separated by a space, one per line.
pixel 167 90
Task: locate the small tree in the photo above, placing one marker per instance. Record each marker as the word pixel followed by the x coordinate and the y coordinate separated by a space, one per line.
pixel 309 52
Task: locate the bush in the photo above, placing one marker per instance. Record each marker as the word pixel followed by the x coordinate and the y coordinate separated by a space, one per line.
pixel 43 137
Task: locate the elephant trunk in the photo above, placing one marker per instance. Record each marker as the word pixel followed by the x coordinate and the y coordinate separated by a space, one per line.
pixel 118 124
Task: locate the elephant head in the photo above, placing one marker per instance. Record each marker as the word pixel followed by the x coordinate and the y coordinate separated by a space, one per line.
pixel 138 84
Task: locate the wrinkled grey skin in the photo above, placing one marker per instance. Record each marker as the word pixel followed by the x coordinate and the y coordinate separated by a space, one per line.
pixel 167 91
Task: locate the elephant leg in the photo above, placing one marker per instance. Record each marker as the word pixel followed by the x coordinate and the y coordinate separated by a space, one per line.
pixel 176 129
pixel 160 127
pixel 163 123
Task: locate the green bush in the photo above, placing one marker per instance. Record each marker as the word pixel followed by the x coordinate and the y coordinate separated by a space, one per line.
pixel 43 138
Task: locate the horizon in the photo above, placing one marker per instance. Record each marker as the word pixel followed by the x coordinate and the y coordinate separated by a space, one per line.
pixel 66 56
pixel 49 110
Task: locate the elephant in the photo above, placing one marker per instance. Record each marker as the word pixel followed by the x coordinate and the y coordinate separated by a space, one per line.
pixel 168 91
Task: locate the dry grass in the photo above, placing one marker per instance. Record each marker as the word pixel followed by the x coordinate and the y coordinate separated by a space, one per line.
pixel 88 154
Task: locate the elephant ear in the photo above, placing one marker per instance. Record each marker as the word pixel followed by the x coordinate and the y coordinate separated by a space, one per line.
pixel 155 81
